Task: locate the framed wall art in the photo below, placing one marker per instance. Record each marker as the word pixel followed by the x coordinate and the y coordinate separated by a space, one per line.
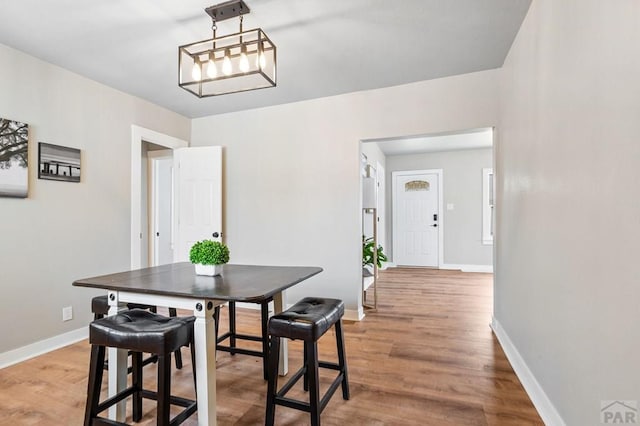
pixel 14 148
pixel 57 162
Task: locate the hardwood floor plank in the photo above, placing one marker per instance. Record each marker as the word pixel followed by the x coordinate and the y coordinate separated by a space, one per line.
pixel 426 357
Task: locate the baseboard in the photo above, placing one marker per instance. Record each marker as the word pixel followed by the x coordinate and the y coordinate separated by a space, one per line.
pixel 467 268
pixel 353 314
pixel 43 346
pixel 541 401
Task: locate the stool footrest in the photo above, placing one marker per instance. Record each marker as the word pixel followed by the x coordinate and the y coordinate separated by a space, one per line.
pixel 249 337
pixel 332 389
pixel 175 400
pixel 280 398
pixel 293 403
pixel 237 350
pixel 329 365
pixel 291 382
pixel 115 399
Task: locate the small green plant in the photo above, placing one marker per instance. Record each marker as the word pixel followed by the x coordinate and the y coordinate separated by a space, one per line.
pixel 208 252
pixel 367 252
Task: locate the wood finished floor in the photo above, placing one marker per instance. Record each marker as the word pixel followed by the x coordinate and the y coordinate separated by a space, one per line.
pixel 426 357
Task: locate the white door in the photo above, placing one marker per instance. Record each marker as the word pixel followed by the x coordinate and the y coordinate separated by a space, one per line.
pixel 198 197
pixel 416 224
pixel 162 208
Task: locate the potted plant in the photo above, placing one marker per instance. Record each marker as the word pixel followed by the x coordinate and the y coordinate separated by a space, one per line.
pixel 367 253
pixel 209 256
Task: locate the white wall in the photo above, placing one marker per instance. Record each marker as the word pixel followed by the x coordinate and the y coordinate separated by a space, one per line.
pixel 462 178
pixel 568 235
pixel 292 177
pixel 65 231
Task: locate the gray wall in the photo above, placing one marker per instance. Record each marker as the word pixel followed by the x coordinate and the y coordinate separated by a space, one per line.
pixel 65 231
pixel 293 178
pixel 568 167
pixel 462 178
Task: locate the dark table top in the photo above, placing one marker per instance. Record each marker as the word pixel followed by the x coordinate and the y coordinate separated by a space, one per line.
pixel 242 283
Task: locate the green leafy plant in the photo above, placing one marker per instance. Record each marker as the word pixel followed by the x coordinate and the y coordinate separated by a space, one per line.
pixel 208 252
pixel 367 252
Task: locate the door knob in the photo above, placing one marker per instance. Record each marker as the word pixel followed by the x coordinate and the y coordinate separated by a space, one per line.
pixel 215 235
pixel 435 225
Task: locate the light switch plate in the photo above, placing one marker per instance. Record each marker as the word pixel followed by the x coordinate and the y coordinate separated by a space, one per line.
pixel 67 313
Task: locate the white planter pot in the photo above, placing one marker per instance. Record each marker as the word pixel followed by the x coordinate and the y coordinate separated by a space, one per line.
pixel 208 270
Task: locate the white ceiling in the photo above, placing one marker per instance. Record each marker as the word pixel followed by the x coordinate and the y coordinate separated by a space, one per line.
pixel 471 139
pixel 325 47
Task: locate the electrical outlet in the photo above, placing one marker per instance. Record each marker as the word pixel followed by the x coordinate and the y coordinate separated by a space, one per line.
pixel 67 313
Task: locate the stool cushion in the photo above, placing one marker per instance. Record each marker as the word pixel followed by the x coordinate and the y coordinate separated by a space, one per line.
pixel 308 319
pixel 142 331
pixel 100 305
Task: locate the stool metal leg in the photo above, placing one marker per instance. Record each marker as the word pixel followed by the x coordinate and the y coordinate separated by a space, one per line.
pixel 192 347
pixel 94 384
pixel 164 386
pixel 216 319
pixel 136 382
pixel 305 378
pixel 232 327
pixel 178 354
pixel 272 387
pixel 265 338
pixel 342 361
pixel 311 348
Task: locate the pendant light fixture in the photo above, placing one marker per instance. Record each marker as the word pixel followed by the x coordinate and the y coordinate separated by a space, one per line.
pixel 237 62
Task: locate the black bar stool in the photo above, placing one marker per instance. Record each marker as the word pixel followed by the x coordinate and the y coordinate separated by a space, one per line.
pixel 233 336
pixel 139 331
pixel 307 320
pixel 100 308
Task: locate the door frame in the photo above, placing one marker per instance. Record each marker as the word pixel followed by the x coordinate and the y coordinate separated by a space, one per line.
pixel 383 238
pixel 153 158
pixel 138 136
pixel 394 209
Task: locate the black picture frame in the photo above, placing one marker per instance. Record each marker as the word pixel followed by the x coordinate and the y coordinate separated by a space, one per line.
pixel 14 150
pixel 57 162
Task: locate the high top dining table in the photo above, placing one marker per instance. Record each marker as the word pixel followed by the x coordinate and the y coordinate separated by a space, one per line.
pixel 178 286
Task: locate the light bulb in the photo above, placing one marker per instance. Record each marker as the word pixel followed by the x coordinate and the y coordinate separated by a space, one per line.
pixel 196 72
pixel 244 61
pixel 226 63
pixel 261 59
pixel 212 71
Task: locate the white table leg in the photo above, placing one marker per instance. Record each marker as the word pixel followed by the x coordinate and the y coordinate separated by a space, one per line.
pixel 117 367
pixel 279 305
pixel 205 346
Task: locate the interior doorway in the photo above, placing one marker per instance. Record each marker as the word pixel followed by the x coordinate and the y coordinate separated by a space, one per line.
pixel 160 211
pixel 464 222
pixel 139 225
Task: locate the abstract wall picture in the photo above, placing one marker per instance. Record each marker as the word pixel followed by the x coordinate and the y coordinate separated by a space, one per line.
pixel 14 146
pixel 58 162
